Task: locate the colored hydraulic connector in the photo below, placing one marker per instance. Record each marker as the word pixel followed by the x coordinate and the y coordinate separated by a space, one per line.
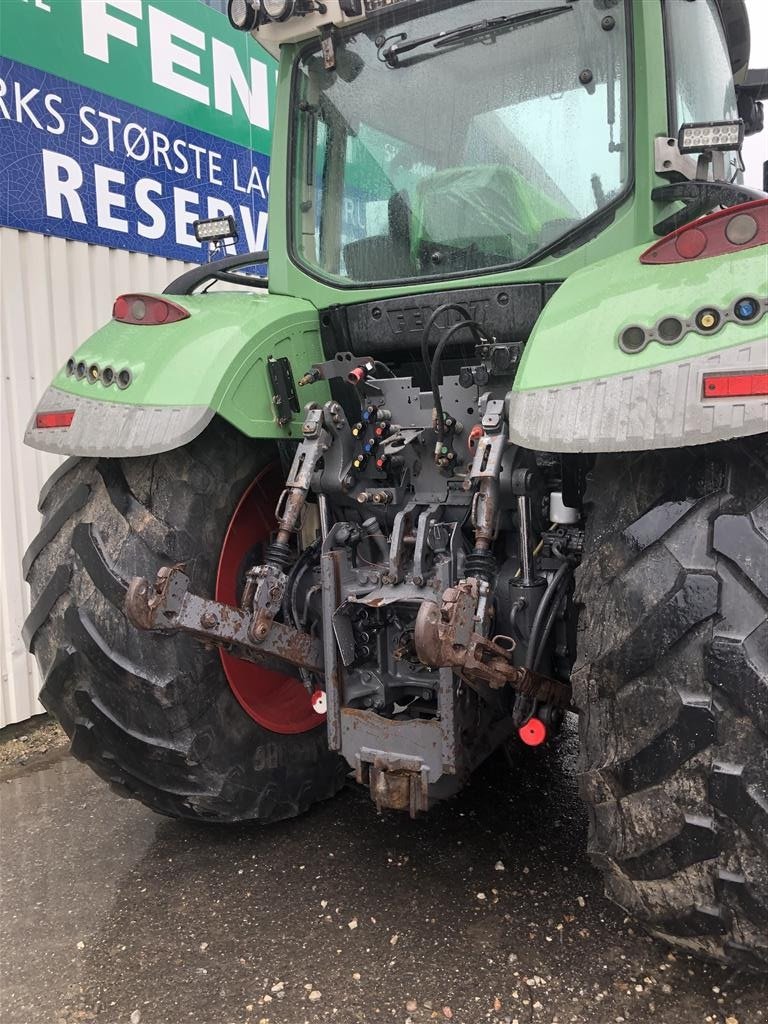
pixel 358 374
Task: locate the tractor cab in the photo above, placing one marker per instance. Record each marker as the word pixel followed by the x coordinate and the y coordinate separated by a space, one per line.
pixel 429 140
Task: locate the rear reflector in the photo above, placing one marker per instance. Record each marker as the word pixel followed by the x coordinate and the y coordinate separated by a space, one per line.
pixel 147 311
pixel 533 733
pixel 60 418
pixel 735 385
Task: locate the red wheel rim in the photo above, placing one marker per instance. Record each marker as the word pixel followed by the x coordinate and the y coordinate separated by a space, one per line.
pixel 278 702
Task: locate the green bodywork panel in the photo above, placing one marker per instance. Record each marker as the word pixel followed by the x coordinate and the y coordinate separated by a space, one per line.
pixel 576 336
pixel 217 357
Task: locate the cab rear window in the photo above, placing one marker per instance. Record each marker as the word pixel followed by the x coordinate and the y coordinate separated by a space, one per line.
pixel 698 64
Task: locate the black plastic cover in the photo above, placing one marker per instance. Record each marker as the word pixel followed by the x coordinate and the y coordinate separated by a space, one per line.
pixel 395 325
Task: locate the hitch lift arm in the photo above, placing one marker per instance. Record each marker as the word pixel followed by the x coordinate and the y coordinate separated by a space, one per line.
pixel 168 606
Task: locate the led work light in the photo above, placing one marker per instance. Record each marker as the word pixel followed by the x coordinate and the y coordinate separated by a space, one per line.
pixel 278 10
pixel 243 14
pixel 711 135
pixel 215 229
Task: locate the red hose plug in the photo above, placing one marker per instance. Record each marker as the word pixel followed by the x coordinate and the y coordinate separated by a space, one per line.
pixel 474 436
pixel 533 733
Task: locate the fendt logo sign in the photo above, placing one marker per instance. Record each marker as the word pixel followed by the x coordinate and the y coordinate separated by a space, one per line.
pixel 124 121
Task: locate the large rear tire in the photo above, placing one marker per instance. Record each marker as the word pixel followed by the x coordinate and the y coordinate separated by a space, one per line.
pixel 672 685
pixel 155 715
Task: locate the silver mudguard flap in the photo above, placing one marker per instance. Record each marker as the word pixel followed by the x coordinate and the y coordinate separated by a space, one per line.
pixel 662 407
pixel 113 428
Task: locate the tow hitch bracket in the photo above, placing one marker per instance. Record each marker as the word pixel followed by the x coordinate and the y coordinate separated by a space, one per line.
pixel 395 782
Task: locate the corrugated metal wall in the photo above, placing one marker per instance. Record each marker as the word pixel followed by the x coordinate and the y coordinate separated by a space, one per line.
pixel 53 294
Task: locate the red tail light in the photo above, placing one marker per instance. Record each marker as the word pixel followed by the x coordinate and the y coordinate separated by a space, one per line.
pixel 731 230
pixel 147 311
pixel 735 385
pixel 59 418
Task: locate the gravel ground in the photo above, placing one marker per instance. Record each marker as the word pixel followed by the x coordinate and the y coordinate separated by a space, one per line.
pixel 485 911
pixel 28 743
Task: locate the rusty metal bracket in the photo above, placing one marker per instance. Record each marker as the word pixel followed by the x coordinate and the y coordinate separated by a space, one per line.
pixel 396 782
pixel 444 637
pixel 262 597
pixel 168 606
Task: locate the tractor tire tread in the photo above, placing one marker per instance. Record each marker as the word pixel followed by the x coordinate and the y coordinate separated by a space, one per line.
pixel 154 715
pixel 671 682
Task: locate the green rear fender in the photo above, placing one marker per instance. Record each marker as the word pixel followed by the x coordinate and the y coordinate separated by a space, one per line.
pixel 182 374
pixel 577 391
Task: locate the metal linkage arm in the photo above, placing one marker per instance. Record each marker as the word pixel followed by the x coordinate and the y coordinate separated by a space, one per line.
pixel 169 606
pixel 445 637
pixel 316 441
pixel 485 472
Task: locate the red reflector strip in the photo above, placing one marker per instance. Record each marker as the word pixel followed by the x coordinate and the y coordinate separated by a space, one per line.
pixel 735 385
pixel 60 418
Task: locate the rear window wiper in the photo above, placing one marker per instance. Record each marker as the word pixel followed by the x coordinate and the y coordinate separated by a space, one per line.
pixel 391 54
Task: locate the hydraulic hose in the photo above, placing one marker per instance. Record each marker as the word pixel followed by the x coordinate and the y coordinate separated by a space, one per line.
pixel 541 612
pixel 546 630
pixel 434 369
pixel 382 369
pixel 445 308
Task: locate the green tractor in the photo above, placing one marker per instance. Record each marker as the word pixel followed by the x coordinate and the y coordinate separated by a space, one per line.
pixel 486 445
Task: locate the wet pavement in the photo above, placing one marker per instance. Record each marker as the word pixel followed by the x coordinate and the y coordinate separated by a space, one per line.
pixel 487 910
